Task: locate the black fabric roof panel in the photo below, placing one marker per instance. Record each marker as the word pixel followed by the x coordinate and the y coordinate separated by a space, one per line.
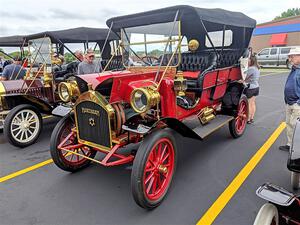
pixel 75 35
pixel 187 14
pixel 12 41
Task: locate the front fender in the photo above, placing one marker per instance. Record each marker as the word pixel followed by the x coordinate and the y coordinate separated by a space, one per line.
pixel 12 100
pixel 172 123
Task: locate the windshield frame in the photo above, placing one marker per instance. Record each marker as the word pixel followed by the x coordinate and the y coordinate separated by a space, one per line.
pixel 145 43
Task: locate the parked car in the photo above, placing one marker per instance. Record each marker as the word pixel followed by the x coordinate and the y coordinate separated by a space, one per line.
pixel 16 41
pixel 23 102
pixel 283 207
pixel 162 89
pixel 293 163
pixel 275 56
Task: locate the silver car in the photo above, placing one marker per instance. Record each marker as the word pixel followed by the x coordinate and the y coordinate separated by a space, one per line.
pixel 274 56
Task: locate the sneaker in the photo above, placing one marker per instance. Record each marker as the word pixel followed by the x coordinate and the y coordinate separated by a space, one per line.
pixel 284 148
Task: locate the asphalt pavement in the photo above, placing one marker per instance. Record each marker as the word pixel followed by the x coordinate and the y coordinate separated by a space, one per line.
pixel 99 195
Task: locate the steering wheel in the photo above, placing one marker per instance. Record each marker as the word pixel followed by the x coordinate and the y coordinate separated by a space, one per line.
pixel 150 60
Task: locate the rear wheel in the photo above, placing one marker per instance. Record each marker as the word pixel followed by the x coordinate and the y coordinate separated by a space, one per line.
pixel 295 180
pixel 153 169
pixel 237 126
pixel 267 215
pixel 62 158
pixel 23 125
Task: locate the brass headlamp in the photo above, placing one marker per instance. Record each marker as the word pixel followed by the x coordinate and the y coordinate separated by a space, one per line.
pixel 68 90
pixel 143 99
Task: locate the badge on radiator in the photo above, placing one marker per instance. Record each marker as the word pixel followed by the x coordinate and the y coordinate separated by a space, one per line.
pixel 92 122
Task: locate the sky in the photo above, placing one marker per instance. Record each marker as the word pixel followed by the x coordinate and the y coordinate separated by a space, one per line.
pixel 19 17
pixel 31 16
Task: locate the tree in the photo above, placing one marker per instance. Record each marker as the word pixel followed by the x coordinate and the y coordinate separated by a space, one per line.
pixel 288 13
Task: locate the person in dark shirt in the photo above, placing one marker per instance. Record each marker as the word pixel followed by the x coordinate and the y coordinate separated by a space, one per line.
pixel 13 71
pixel 292 96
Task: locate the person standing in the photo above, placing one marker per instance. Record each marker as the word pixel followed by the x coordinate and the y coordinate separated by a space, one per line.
pixel 14 71
pixel 79 55
pixel 89 65
pixel 292 96
pixel 1 64
pixel 252 91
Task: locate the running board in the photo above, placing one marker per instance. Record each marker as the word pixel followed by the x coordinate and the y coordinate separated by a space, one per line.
pixel 204 130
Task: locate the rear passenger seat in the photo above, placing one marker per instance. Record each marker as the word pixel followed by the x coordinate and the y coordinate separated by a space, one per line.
pixel 199 61
pixel 116 63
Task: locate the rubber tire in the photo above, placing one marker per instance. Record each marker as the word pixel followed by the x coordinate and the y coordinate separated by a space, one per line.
pixel 266 215
pixel 138 168
pixel 232 129
pixel 8 121
pixel 55 152
pixel 295 180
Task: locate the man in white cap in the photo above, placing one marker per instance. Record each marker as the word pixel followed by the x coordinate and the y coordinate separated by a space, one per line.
pixel 292 96
pixel 89 65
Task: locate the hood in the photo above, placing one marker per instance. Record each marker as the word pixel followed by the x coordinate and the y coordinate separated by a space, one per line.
pixel 97 78
pixel 11 86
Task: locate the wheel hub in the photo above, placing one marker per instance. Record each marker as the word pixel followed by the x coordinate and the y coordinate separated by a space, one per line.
pixel 162 169
pixel 25 125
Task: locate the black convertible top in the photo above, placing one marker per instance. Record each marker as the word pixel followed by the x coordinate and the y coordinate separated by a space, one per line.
pixel 75 35
pixel 190 16
pixel 12 41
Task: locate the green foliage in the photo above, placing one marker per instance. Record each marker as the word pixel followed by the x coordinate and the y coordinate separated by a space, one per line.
pixel 13 54
pixel 288 13
pixel 69 57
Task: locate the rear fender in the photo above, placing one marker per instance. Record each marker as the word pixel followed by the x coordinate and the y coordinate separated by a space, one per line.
pixel 232 97
pixel 13 100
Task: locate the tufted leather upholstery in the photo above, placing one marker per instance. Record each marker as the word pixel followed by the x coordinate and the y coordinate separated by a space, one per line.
pixel 229 57
pixel 116 63
pixel 200 61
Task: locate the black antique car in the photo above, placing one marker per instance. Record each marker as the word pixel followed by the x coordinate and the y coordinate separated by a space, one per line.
pixel 293 163
pixel 23 102
pixel 283 207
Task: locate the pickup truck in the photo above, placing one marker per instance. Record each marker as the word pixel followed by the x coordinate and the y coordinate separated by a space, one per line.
pixel 274 56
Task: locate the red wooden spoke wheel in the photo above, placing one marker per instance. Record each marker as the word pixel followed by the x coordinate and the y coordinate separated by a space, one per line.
pixel 62 137
pixel 238 125
pixel 153 169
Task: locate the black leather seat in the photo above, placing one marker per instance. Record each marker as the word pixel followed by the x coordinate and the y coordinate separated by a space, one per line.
pixel 115 64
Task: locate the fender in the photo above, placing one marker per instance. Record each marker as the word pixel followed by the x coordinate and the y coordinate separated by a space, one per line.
pixel 172 123
pixel 12 100
pixel 232 97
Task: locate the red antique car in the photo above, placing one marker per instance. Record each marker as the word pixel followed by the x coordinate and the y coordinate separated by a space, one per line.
pixel 24 101
pixel 182 71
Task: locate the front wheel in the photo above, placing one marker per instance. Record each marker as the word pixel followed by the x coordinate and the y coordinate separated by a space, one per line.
pixel 267 215
pixel 237 126
pixel 23 125
pixel 153 169
pixel 65 160
pixel 295 180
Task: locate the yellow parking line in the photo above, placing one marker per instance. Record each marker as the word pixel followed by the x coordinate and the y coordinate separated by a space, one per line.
pixel 26 170
pixel 215 209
